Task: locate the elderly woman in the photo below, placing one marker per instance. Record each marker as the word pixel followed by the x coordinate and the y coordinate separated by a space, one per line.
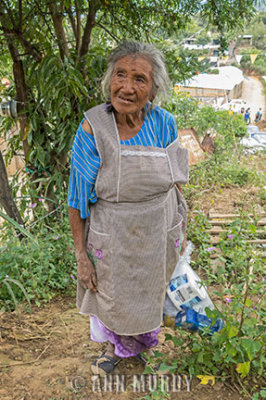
pixel 125 167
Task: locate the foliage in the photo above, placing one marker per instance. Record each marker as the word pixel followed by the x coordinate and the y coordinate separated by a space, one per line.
pixel 258 67
pixel 237 350
pixel 44 265
pixel 39 267
pixel 5 68
pixel 7 282
pixel 257 27
pixel 191 113
pixel 58 50
pixel 183 64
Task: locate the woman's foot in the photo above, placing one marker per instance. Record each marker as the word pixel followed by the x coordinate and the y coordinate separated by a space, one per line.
pixel 106 363
pixel 110 351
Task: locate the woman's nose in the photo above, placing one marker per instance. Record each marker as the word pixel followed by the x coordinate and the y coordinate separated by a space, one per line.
pixel 128 85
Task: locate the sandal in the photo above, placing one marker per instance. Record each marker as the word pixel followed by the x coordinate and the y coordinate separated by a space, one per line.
pixel 104 364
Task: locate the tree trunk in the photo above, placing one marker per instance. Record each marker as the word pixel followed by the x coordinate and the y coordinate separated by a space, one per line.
pixel 6 199
pixel 21 89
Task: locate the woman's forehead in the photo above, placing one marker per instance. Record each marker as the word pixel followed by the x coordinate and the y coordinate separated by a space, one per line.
pixel 134 63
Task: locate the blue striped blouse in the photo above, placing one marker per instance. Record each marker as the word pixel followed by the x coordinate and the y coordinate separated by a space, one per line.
pixel 159 130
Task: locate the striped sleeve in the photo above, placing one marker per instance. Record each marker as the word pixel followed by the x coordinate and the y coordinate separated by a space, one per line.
pixel 85 162
pixel 73 199
pixel 162 126
pixel 172 130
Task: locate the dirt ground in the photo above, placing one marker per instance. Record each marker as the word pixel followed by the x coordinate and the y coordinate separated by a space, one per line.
pixel 46 354
pixel 253 95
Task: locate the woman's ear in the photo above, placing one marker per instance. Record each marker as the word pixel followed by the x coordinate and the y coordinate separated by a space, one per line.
pixel 153 94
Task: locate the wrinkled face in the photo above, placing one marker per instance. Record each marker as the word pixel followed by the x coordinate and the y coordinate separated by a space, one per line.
pixel 131 84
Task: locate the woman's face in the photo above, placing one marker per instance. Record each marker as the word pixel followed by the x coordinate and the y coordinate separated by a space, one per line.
pixel 131 84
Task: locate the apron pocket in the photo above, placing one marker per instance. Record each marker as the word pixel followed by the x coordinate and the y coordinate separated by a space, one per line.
pixel 174 244
pixel 99 251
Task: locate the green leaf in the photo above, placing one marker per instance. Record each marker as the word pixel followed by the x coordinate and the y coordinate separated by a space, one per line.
pixel 16 225
pixel 252 228
pixel 20 286
pixel 177 341
pixel 231 331
pixel 168 368
pixel 230 349
pixel 251 347
pixel 10 292
pixel 243 368
pixel 248 303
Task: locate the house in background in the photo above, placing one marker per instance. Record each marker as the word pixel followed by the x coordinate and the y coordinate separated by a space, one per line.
pixel 221 87
pixel 246 40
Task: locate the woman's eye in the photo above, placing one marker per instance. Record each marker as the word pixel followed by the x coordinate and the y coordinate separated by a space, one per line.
pixel 120 75
pixel 140 79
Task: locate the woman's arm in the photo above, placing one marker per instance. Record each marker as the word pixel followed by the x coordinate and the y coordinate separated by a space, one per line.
pixel 86 272
pixel 77 225
pixel 78 205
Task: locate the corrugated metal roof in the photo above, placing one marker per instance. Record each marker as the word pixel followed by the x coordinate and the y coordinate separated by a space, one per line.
pixel 227 78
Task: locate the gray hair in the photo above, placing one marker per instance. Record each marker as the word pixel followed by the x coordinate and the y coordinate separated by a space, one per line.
pixel 137 49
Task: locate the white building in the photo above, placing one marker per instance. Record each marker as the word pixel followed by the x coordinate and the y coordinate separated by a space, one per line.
pixel 227 84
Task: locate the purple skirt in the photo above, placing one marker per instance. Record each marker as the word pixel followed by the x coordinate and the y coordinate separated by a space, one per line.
pixel 125 346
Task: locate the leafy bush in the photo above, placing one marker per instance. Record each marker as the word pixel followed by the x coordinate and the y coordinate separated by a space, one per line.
pixel 236 175
pixel 191 113
pixel 44 266
pixel 220 171
pixel 258 67
pixel 237 350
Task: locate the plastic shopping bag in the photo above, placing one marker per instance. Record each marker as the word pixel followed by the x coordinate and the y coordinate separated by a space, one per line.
pixel 187 298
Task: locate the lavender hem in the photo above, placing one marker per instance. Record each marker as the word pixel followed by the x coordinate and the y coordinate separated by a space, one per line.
pixel 125 346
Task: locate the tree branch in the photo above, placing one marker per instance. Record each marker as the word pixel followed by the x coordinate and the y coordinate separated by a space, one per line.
pixel 90 22
pixel 20 15
pixel 107 31
pixel 57 18
pixel 8 33
pixel 78 25
pixel 21 89
pixel 72 21
pixel 31 49
pixel 42 14
pixel 10 14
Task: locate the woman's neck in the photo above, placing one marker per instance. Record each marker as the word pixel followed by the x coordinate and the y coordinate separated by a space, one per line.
pixel 130 121
pixel 129 125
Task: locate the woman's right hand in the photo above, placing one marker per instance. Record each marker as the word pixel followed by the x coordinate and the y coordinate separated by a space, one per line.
pixel 86 272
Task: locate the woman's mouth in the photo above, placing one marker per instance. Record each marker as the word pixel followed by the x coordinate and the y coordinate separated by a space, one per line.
pixel 125 99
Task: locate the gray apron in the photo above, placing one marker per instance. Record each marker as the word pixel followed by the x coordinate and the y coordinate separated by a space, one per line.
pixel 136 228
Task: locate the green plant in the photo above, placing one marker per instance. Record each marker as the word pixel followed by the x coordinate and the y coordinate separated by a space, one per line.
pixel 197 232
pixel 236 352
pixel 7 282
pixel 262 195
pixel 191 113
pixel 43 264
